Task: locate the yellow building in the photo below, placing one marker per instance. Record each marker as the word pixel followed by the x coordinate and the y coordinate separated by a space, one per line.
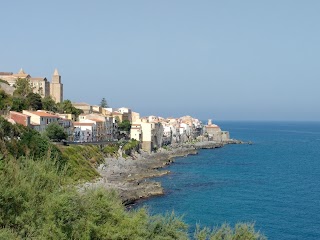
pixel 39 85
pixel 56 87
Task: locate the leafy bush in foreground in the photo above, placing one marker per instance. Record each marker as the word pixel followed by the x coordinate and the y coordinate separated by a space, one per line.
pixel 38 202
pixel 242 231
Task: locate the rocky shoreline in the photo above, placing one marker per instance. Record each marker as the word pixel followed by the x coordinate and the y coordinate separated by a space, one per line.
pixel 128 176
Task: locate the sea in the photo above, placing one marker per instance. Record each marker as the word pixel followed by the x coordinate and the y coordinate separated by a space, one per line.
pixel 274 183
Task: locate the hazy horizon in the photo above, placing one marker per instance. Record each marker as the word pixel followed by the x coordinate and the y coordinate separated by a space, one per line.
pixel 225 60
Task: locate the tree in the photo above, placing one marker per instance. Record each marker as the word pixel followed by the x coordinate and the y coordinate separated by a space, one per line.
pixel 19 104
pixel 34 101
pixel 103 103
pixel 125 125
pixel 55 132
pixel 23 87
pixel 67 107
pixel 5 100
pixel 49 104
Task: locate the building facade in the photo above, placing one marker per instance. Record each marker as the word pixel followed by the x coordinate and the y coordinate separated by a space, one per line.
pixel 39 85
pixel 56 87
pixel 40 119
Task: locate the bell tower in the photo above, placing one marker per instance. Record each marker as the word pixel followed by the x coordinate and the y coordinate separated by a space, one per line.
pixel 56 87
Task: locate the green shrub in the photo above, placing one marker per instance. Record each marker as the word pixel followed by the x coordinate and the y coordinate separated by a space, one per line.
pixel 19 141
pixel 242 231
pixel 55 132
pixel 81 161
pixel 111 149
pixel 38 202
pixel 131 145
pixel 166 227
pixel 6 234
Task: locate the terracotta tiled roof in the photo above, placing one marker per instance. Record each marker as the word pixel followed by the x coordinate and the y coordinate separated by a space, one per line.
pixel 43 114
pixel 82 124
pixel 18 113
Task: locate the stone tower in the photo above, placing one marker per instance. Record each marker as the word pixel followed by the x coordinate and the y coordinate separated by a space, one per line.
pixel 56 87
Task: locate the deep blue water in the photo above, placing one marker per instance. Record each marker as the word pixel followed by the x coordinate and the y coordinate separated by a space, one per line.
pixel 275 182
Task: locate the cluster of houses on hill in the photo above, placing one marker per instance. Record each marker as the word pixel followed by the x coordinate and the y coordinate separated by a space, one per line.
pixel 101 124
pixel 90 126
pixel 97 124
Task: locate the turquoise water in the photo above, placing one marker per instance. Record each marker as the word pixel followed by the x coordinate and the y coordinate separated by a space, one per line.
pixel 275 182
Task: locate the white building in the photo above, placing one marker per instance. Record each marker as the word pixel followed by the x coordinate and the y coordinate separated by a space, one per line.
pixel 150 134
pixel 84 131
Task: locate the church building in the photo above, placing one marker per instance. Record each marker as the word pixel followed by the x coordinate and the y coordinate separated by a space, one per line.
pixel 40 85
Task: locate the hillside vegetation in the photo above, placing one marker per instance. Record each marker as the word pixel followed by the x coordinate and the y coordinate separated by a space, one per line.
pixel 39 200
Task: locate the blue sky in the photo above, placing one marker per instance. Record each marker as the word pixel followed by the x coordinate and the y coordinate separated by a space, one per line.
pixel 226 60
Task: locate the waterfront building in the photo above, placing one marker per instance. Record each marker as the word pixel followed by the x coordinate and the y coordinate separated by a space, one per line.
pixel 136 132
pixel 214 133
pixel 150 134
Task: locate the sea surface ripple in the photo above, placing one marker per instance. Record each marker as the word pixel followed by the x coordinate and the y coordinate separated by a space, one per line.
pixel 275 182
